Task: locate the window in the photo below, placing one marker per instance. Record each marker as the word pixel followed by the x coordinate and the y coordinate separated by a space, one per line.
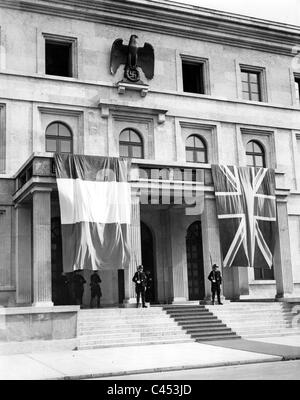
pixel 58 55
pixel 251 85
pixel 297 88
pixel 192 75
pixel 195 150
pixel 264 274
pixel 255 154
pixel 131 144
pixel 58 138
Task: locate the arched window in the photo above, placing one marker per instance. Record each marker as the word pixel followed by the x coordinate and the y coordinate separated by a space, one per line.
pixel 131 144
pixel 195 150
pixel 59 138
pixel 255 154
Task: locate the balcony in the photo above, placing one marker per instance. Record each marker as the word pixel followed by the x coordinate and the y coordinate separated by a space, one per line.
pixel 40 170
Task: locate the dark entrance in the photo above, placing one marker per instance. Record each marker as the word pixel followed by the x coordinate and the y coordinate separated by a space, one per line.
pixel 62 289
pixel 148 259
pixel 194 253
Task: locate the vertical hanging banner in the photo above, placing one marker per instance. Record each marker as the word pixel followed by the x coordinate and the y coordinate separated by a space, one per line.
pixel 246 208
pixel 95 206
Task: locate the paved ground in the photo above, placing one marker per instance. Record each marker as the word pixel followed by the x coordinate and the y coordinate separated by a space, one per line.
pixel 286 370
pixel 123 360
pixel 113 362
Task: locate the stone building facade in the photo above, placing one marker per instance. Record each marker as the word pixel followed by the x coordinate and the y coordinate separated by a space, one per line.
pixel 225 90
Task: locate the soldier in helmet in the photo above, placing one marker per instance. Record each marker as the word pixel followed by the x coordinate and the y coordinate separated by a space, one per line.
pixel 140 280
pixel 216 281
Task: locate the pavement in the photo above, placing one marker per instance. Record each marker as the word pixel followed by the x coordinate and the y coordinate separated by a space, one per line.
pixel 130 360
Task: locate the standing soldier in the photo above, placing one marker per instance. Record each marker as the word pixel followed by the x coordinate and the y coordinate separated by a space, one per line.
pixel 216 282
pixel 78 282
pixel 95 288
pixel 140 280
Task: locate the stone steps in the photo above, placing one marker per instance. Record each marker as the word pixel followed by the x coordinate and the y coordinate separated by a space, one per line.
pixel 201 324
pixel 131 330
pixel 127 327
pixel 256 319
pixel 94 345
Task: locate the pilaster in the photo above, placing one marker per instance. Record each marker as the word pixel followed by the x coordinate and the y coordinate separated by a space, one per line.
pixel 211 241
pixel 136 252
pixel 23 255
pixel 41 245
pixel 282 257
pixel 178 251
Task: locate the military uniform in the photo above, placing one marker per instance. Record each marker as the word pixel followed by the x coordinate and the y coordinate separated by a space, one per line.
pixel 78 282
pixel 95 289
pixel 140 280
pixel 216 280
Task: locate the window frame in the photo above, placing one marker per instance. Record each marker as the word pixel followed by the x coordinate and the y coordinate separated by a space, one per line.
pixel 297 89
pixel 196 150
pixel 262 276
pixel 262 82
pixel 73 43
pixel 255 154
pixel 129 144
pixel 58 138
pixel 190 59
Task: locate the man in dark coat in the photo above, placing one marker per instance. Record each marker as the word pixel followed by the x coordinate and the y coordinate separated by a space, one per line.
pixel 149 294
pixel 140 280
pixel 78 282
pixel 216 282
pixel 95 288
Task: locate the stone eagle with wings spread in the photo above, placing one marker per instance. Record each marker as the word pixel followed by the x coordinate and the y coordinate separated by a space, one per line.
pixel 133 57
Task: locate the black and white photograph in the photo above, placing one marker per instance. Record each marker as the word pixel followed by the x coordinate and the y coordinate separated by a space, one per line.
pixel 149 193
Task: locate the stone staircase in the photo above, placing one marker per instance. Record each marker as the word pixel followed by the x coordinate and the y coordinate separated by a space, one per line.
pixel 256 319
pixel 200 323
pixel 114 327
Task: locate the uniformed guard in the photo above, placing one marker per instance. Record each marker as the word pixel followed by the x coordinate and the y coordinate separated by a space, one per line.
pixel 216 281
pixel 78 281
pixel 140 280
pixel 95 288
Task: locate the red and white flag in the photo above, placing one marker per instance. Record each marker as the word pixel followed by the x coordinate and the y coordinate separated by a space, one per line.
pixel 95 207
pixel 246 208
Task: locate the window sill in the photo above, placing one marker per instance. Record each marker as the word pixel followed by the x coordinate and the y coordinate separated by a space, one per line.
pixel 262 282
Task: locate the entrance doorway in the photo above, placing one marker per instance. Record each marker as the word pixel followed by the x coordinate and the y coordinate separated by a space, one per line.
pixel 194 252
pixel 148 259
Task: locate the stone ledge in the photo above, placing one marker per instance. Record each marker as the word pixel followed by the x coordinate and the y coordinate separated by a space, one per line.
pixel 38 310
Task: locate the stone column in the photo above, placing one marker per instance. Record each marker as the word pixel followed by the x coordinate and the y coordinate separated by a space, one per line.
pixel 211 241
pixel 282 257
pixel 41 241
pixel 136 252
pixel 23 255
pixel 178 251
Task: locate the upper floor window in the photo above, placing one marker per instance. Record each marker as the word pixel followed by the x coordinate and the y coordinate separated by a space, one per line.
pixel 131 144
pixel 60 55
pixel 192 75
pixel 59 138
pixel 195 150
pixel 255 154
pixel 251 85
pixel 297 88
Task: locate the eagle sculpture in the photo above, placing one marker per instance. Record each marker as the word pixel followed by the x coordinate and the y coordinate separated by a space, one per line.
pixel 133 57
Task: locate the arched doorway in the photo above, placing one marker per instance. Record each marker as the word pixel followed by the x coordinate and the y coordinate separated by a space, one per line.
pixel 194 252
pixel 148 257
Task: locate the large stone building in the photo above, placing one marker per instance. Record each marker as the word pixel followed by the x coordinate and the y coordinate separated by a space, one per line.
pixel 225 91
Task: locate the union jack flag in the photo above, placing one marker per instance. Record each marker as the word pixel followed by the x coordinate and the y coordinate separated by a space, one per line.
pixel 246 208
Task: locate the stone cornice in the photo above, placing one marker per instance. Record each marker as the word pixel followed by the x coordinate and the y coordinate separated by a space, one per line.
pixel 173 19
